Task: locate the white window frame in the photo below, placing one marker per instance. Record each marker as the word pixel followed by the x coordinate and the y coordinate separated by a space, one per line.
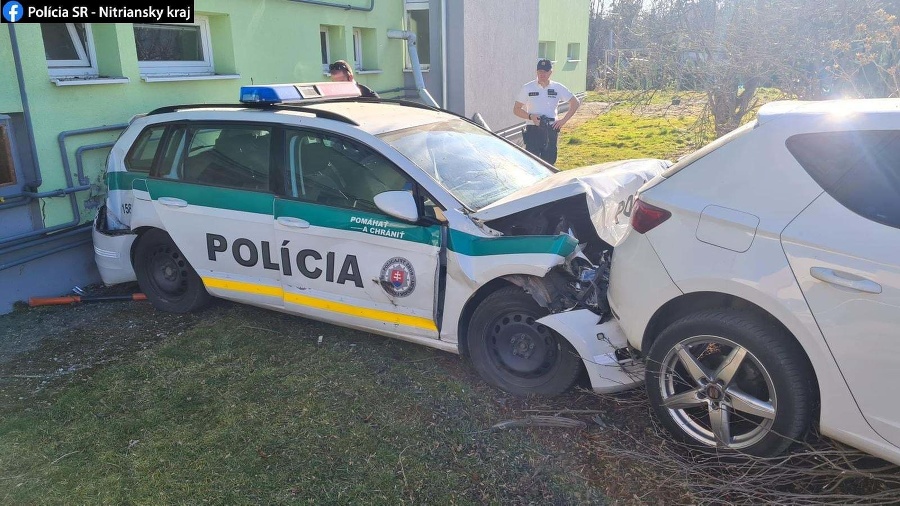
pixel 327 63
pixel 414 6
pixel 569 52
pixel 357 49
pixel 85 65
pixel 204 67
pixel 549 46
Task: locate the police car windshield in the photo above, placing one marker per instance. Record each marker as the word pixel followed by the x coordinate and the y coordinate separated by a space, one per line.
pixel 470 163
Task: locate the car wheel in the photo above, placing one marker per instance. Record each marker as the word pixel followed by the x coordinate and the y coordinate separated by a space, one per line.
pixel 165 275
pixel 726 379
pixel 513 352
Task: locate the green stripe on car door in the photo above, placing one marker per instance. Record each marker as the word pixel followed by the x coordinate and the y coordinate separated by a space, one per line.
pixel 349 219
pixel 123 180
pixel 212 196
pixel 357 221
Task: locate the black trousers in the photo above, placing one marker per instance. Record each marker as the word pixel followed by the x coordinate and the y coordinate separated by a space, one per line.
pixel 541 141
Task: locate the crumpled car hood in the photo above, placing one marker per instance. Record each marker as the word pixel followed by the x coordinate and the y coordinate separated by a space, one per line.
pixel 609 190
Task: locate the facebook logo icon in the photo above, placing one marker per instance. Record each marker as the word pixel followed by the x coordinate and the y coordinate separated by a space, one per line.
pixel 12 11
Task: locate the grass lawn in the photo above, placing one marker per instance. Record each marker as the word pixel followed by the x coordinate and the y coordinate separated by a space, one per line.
pixel 619 135
pixel 619 125
pixel 244 405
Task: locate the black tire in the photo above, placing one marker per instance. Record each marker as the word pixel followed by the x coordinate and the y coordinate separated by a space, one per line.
pixel 513 352
pixel 760 408
pixel 165 275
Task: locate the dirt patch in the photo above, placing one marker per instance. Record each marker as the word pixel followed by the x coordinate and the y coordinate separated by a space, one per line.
pixel 588 111
pixel 675 108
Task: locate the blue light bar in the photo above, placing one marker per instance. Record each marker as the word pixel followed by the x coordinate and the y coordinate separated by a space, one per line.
pixel 293 93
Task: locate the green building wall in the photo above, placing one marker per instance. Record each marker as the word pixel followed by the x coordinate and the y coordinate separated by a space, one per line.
pixel 262 41
pixel 10 101
pixel 564 22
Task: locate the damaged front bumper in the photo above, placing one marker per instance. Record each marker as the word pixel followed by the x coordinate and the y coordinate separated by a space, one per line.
pixel 112 252
pixel 575 294
pixel 603 349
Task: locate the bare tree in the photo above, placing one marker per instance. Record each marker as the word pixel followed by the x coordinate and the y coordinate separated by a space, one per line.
pixel 731 48
pixel 728 49
pixel 866 63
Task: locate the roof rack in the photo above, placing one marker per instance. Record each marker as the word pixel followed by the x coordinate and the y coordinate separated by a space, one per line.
pixel 261 107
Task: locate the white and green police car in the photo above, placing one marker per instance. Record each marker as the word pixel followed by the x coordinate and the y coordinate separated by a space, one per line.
pixel 380 215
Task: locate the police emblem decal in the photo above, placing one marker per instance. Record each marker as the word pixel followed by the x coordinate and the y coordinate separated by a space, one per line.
pixel 398 277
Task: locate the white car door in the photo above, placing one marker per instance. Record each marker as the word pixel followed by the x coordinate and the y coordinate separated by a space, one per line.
pixel 212 194
pixel 349 262
pixel 844 249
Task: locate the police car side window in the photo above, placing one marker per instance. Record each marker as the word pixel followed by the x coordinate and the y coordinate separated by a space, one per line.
pixel 172 159
pixel 336 172
pixel 234 156
pixel 140 158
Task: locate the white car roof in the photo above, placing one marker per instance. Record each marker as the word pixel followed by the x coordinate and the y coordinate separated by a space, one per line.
pixel 798 108
pixel 379 117
pixel 371 117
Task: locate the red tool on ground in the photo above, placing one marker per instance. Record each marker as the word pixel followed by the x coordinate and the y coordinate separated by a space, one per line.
pixel 71 299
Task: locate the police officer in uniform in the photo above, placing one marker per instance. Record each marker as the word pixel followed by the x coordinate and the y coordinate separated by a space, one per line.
pixel 340 71
pixel 538 102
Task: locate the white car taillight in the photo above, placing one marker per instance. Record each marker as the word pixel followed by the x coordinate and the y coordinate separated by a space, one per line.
pixel 645 217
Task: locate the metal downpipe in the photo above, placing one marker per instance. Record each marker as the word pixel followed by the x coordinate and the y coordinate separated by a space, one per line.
pixel 26 111
pixel 338 6
pixel 61 138
pixel 414 60
pixel 76 219
pixel 31 193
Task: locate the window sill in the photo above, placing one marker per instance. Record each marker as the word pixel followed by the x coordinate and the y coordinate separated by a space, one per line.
pixel 162 78
pixel 423 70
pixel 84 81
pixel 358 72
pixel 572 61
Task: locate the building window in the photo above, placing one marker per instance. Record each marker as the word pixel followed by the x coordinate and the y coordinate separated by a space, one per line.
pixel 418 23
pixel 365 49
pixel 573 53
pixel 326 48
pixel 69 49
pixel 547 49
pixel 181 49
pixel 357 49
pixel 7 171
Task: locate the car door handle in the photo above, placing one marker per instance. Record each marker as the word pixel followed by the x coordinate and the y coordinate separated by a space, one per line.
pixel 844 279
pixel 287 221
pixel 172 202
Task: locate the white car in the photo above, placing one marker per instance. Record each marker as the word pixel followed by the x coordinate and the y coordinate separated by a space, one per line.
pixel 379 215
pixel 761 281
